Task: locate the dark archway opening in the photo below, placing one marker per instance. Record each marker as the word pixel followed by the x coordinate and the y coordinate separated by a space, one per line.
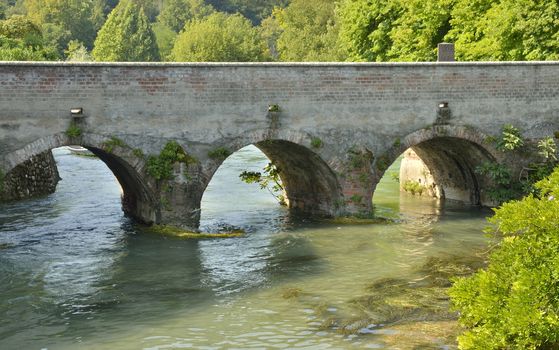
pixel 309 186
pixel 441 168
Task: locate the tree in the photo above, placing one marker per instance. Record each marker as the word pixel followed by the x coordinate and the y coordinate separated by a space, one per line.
pixel 77 52
pixel 126 36
pixel 309 31
pixel 421 26
pixel 514 303
pixel 65 20
pixel 22 40
pixel 505 30
pixel 219 37
pixel 255 10
pixel 176 13
pixel 365 27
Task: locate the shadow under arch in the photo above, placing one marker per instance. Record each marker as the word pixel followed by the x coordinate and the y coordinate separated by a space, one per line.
pixel 451 154
pixel 138 200
pixel 311 186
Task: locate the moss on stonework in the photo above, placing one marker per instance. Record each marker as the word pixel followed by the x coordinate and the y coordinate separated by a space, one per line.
pixel 359 158
pixel 316 142
pixel 382 163
pixel 138 153
pixel 2 177
pixel 219 153
pixel 177 232
pixel 73 130
pixel 161 166
pixel 113 142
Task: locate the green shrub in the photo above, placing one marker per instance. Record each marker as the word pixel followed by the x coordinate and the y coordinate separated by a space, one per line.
pixel 161 166
pixel 514 303
pixel 413 187
pixel 510 140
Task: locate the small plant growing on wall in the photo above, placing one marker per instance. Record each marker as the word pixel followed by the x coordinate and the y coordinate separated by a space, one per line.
pixel 356 199
pixel 316 142
pixel 274 108
pixel 73 130
pixel 161 166
pixel 113 142
pixel 219 153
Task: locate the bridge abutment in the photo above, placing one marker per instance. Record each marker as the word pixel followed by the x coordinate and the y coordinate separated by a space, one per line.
pixel 37 176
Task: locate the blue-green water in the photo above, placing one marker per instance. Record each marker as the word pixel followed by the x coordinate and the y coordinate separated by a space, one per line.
pixel 76 274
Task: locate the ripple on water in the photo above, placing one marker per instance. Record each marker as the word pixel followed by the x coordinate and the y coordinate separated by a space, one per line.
pixel 75 273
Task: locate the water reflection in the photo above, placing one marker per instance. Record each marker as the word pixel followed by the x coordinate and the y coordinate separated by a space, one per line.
pixel 75 273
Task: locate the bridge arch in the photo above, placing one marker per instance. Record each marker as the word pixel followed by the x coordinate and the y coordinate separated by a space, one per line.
pixel 451 153
pixel 138 199
pixel 311 186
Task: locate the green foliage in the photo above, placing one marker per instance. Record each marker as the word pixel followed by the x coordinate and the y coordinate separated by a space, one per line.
pixel 421 26
pixel 219 153
pixel 505 186
pixel 356 199
pixel 77 52
pixel 73 130
pixel 316 142
pixel 383 163
pixel 160 167
pixel 365 27
pixel 514 303
pixel 66 20
pixel 176 13
pixel 413 187
pixel 268 179
pixel 510 140
pixel 309 31
pixel 219 37
pixel 397 143
pixel 138 153
pixel 505 30
pixel 126 36
pixel 113 142
pixel 165 39
pixel 22 40
pixel 255 10
pixel 547 149
pixel 359 158
pixel 274 108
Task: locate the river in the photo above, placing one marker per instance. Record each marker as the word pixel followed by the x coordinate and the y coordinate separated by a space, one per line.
pixel 76 274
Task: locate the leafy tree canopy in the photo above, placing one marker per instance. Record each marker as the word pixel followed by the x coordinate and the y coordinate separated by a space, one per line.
pixel 176 13
pixel 219 37
pixel 126 36
pixel 22 40
pixel 309 31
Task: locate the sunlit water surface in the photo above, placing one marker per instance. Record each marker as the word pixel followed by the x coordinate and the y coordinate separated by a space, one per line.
pixel 76 274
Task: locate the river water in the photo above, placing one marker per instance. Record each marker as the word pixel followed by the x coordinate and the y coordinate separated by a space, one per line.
pixel 76 274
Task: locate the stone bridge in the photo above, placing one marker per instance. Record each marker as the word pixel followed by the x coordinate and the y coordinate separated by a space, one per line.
pixel 333 129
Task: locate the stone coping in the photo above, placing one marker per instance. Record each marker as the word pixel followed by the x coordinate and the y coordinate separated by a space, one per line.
pixel 273 64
